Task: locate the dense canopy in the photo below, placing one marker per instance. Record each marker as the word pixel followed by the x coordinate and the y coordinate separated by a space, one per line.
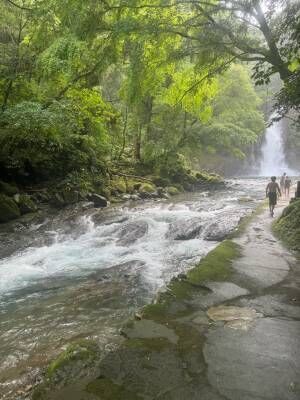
pixel 95 86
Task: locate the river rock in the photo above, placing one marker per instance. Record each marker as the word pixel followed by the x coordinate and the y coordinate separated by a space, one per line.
pixel 26 204
pixel 185 230
pixel 217 232
pixel 98 200
pixel 147 190
pixel 8 209
pixel 57 200
pixel 132 232
pixel 70 196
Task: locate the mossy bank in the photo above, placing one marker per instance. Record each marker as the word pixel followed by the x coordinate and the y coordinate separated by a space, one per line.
pixel 287 227
pixel 98 189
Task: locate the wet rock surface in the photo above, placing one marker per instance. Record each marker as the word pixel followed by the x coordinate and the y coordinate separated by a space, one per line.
pixel 185 230
pixel 236 339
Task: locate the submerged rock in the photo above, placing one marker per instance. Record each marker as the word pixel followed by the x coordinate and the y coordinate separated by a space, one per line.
pixel 185 230
pixel 218 231
pixel 147 329
pixel 131 232
pixel 8 209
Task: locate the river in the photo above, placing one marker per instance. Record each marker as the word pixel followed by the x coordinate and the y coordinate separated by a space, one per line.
pixel 81 273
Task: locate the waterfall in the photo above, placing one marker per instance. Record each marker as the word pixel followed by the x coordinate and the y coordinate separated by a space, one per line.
pixel 273 160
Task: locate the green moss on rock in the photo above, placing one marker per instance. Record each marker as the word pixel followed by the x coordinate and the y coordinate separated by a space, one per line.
pixel 8 209
pixel 83 350
pixel 147 188
pixel 216 266
pixel 26 204
pixel 172 190
pixel 118 185
pixel 287 227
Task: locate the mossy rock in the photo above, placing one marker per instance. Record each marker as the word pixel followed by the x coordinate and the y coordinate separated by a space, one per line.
pixel 147 188
pixel 118 185
pixel 70 196
pixel 26 205
pixel 161 181
pixel 216 266
pixel 106 389
pixel 132 185
pixel 8 189
pixel 8 209
pixel 76 354
pixel 172 190
pixel 287 227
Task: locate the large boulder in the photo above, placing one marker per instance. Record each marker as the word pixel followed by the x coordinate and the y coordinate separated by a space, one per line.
pixel 172 190
pixel 131 232
pixel 216 232
pixel 147 190
pixel 98 200
pixel 8 209
pixel 185 230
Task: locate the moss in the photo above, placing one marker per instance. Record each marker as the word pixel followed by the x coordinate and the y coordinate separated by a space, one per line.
pixel 287 227
pixel 118 185
pixel 206 177
pixel 79 351
pixel 26 204
pixel 8 209
pixel 153 344
pixel 181 289
pixel 147 188
pixel 216 266
pixel 155 311
pixel 172 190
pixel 106 389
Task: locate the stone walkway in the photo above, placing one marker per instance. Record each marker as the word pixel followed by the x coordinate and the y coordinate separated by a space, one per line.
pixel 233 339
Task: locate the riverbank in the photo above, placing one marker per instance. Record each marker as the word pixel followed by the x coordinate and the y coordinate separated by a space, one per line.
pixel 99 192
pixel 228 328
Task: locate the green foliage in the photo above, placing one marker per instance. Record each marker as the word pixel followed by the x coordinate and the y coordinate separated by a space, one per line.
pixel 113 84
pixel 288 226
pixel 71 133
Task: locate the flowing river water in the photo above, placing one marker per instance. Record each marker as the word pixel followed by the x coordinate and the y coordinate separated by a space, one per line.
pixel 82 272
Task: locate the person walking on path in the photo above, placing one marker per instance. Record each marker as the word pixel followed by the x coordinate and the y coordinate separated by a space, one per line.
pixel 272 191
pixel 282 182
pixel 287 185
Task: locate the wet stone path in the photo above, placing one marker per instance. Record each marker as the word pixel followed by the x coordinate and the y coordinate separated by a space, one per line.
pixel 230 334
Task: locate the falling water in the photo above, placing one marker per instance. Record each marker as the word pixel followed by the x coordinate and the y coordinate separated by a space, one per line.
pixel 273 160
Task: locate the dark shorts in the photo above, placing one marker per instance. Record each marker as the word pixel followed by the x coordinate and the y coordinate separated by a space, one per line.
pixel 272 198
